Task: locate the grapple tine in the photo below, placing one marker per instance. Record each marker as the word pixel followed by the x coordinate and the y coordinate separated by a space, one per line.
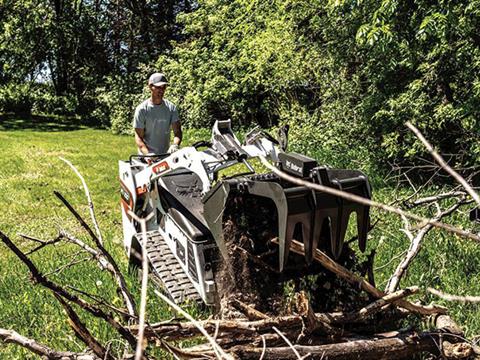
pixel 275 192
pixel 363 224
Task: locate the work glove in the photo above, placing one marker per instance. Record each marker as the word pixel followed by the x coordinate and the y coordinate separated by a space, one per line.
pixel 150 160
pixel 172 148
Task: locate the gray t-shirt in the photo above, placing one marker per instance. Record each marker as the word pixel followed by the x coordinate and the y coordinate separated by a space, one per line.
pixel 157 121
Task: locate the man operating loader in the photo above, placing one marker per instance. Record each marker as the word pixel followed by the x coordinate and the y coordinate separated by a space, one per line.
pixel 154 118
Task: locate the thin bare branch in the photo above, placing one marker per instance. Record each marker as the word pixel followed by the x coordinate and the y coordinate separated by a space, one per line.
pixel 90 202
pixel 288 342
pixel 115 270
pixel 367 202
pixel 443 163
pixel 143 300
pixel 42 242
pixel 380 303
pixel 450 297
pixel 218 350
pixel 414 248
pixel 434 198
pixel 66 266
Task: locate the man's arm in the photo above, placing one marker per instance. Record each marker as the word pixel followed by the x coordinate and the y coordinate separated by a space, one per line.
pixel 177 132
pixel 139 135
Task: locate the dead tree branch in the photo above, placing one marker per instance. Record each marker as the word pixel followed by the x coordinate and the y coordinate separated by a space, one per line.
pixel 38 278
pixel 11 336
pixel 90 202
pixel 377 305
pixel 443 164
pixel 450 297
pixel 415 245
pixel 114 269
pixel 82 332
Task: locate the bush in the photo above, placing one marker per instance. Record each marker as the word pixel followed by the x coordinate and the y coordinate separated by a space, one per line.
pixel 46 102
pixel 16 98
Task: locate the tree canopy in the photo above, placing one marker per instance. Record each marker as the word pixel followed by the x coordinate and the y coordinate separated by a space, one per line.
pixel 345 74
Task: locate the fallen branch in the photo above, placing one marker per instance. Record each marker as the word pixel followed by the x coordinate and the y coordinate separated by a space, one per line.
pixel 402 346
pixel 377 305
pixel 11 336
pixel 82 332
pixel 414 248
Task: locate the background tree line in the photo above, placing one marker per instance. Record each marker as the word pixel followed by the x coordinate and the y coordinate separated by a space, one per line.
pixel 344 74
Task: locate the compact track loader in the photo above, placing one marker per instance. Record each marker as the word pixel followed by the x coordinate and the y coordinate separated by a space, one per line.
pixel 188 199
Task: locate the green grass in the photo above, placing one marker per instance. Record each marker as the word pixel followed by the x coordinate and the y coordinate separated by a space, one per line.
pixel 30 170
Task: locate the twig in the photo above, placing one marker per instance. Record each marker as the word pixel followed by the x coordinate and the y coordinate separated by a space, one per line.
pixel 90 202
pixel 430 199
pixel 113 267
pixel 101 301
pixel 143 300
pixel 66 266
pixel 42 242
pixel 443 164
pixel 414 248
pixel 288 342
pixel 217 349
pixel 367 202
pixel 450 297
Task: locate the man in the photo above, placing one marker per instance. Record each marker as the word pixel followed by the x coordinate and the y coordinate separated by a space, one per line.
pixel 154 118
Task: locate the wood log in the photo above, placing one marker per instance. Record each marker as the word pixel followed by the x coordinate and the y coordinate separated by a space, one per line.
pixel 403 346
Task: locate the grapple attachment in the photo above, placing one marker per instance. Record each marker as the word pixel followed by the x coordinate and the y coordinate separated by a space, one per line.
pixel 315 218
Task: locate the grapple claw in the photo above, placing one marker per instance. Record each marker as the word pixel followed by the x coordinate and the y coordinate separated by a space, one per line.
pixel 317 219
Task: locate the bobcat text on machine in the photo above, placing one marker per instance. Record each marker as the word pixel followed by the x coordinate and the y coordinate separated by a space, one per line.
pixel 188 200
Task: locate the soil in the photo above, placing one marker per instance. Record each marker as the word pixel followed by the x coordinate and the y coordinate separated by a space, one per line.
pixel 250 272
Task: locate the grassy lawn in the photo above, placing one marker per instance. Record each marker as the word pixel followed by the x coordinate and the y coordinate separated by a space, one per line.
pixel 30 170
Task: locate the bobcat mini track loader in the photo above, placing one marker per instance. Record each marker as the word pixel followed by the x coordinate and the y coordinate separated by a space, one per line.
pixel 183 190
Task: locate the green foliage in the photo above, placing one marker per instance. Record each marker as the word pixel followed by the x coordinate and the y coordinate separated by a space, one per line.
pixel 236 62
pixel 346 75
pixel 116 101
